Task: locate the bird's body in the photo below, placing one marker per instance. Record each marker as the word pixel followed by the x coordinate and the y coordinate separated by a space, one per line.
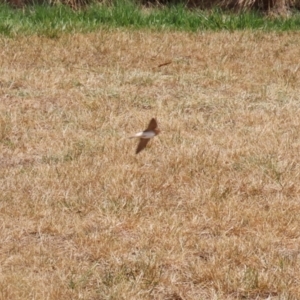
pixel 144 135
pixel 151 131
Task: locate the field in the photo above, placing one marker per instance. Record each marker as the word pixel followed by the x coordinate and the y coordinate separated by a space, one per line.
pixel 209 210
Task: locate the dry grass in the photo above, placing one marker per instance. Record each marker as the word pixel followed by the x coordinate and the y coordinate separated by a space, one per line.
pixel 210 210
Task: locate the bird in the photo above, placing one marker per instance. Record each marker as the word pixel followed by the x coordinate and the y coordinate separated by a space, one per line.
pixel 151 131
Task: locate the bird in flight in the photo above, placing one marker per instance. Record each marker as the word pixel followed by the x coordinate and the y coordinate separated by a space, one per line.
pixel 151 131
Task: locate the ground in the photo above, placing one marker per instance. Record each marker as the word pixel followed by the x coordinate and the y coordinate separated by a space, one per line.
pixel 209 210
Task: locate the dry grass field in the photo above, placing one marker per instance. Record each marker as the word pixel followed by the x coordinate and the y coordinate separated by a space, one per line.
pixel 209 210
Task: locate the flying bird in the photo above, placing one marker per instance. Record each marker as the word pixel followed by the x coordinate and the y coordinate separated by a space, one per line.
pixel 151 131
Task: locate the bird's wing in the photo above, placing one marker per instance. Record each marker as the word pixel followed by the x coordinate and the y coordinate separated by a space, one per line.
pixel 142 144
pixel 152 125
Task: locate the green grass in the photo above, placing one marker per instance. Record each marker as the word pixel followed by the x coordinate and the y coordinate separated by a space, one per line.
pixel 55 20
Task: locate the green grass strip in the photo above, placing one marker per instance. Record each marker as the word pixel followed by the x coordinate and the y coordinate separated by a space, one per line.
pixel 55 20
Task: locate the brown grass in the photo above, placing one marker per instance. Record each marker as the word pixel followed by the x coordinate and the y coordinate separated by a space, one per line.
pixel 210 210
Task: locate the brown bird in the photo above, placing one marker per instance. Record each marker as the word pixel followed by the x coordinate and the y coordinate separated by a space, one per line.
pixel 151 131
